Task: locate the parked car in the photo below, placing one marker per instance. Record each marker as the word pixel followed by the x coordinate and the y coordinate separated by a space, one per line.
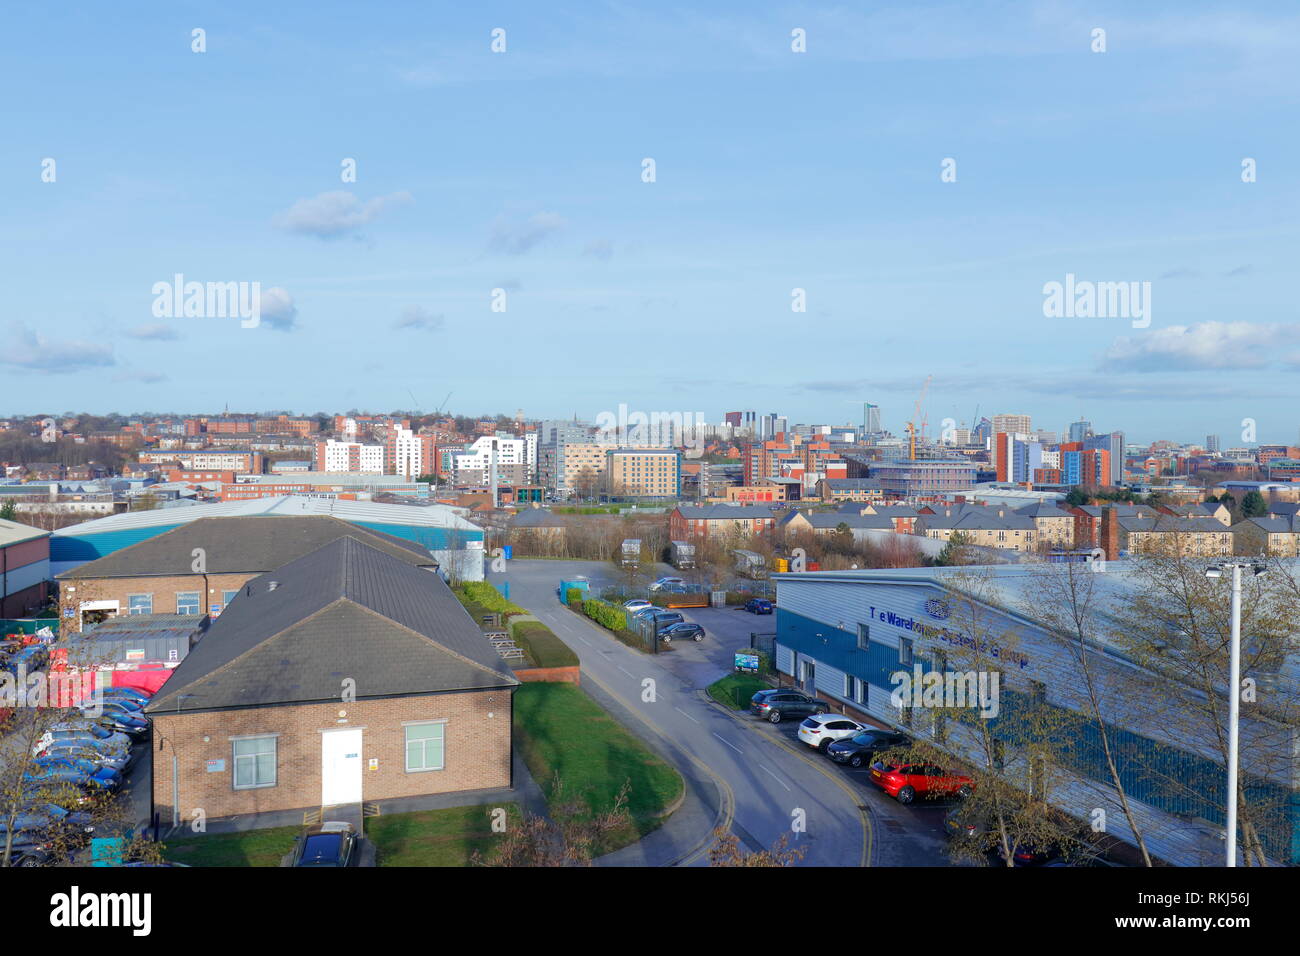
pixel 99 781
pixel 120 720
pixel 682 631
pixel 775 704
pixel 663 583
pixel 125 693
pixel 83 750
pixel 332 843
pixel 85 731
pixel 758 606
pixel 819 731
pixel 663 618
pixel 43 768
pixel 860 750
pixel 114 705
pixel 960 823
pixel 906 782
pixel 636 604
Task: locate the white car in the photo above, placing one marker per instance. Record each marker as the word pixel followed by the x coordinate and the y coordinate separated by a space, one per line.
pixel 636 604
pixel 665 582
pixel 821 730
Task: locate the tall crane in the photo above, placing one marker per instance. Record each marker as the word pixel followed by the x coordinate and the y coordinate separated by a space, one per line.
pixel 917 419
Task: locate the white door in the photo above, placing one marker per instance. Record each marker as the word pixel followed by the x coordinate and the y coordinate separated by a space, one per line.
pixel 340 767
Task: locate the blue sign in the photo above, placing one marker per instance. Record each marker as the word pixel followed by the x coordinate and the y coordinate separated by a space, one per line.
pixel 747 662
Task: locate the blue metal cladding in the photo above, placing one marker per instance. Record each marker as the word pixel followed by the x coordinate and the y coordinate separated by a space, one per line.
pixel 90 547
pixel 432 539
pixel 1172 780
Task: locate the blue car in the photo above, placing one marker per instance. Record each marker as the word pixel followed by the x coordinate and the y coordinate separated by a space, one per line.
pixel 129 694
pixel 71 770
pixel 758 606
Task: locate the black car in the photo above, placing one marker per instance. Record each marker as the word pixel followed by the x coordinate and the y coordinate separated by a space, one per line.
pixel 332 843
pixel 779 703
pixel 860 749
pixel 663 619
pixel 682 631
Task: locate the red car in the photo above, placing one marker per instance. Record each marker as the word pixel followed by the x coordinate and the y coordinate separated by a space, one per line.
pixel 908 781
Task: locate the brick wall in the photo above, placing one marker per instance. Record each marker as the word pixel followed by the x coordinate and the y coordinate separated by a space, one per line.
pixel 558 675
pixel 477 751
pixel 162 588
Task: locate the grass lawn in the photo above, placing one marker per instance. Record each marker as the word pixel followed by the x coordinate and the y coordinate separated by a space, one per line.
pixel 249 848
pixel 735 690
pixel 562 733
pixel 434 837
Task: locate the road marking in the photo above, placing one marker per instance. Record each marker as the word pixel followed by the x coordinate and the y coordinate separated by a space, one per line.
pixel 684 714
pixel 775 777
pixel 626 671
pixel 725 741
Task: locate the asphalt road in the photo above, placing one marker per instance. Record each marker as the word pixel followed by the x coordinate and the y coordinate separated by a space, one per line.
pixel 769 783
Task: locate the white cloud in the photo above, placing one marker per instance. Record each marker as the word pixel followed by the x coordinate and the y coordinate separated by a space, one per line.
pixel 420 318
pixel 278 310
pixel 516 237
pixel 334 214
pixel 28 349
pixel 1207 345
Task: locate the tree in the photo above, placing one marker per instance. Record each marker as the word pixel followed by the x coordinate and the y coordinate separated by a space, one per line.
pixel 727 851
pixel 1076 497
pixel 958 551
pixel 9 511
pixel 570 836
pixel 1253 505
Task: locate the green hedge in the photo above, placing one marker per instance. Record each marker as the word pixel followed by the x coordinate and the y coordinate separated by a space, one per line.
pixel 606 615
pixel 542 646
pixel 484 594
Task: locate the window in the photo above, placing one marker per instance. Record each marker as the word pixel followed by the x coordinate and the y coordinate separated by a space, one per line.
pixel 425 746
pixel 254 762
pixel 850 687
pixel 228 596
pixel 139 604
pixel 864 636
pixel 905 651
pixel 187 602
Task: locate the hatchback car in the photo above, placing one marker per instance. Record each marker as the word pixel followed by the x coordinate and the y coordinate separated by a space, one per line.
pixel 663 618
pixel 906 782
pixel 636 605
pixel 821 730
pixel 778 703
pixel 59 766
pixel 860 750
pixel 81 750
pixel 682 631
pixel 83 731
pixel 332 843
pixel 758 606
pixel 125 693
pixel 663 583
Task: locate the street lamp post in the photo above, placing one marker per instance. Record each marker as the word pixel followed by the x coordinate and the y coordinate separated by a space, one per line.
pixel 1234 693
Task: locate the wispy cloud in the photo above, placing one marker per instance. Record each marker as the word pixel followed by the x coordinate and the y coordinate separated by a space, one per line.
pixel 158 332
pixel 420 319
pixel 1207 345
pixel 516 237
pixel 28 349
pixel 332 215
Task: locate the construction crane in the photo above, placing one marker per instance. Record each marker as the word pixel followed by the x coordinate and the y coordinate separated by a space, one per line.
pixel 917 419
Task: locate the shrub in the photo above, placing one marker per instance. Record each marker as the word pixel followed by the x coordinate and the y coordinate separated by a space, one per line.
pixel 606 615
pixel 542 646
pixel 484 594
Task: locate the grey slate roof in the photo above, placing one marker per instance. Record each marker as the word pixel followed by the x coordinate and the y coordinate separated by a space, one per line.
pixel 976 518
pixel 1042 509
pixel 234 545
pixel 1162 522
pixel 725 512
pixel 346 610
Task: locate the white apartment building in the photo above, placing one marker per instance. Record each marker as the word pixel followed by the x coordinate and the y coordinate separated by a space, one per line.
pixel 509 451
pixel 351 456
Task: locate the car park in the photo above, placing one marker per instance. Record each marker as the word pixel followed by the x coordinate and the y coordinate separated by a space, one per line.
pixel 758 606
pixel 86 731
pixel 59 767
pixel 819 731
pixel 125 694
pixel 82 750
pixel 39 829
pixel 776 704
pixel 120 720
pixel 905 782
pixel 860 749
pixel 682 631
pixel 332 843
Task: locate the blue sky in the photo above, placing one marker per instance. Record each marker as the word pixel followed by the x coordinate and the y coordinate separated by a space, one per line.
pixel 774 170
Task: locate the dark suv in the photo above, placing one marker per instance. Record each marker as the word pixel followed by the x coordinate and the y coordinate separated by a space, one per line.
pixel 779 703
pixel 332 843
pixel 860 749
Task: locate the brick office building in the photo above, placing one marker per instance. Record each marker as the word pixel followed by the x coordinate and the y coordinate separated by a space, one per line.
pixel 343 677
pixel 165 575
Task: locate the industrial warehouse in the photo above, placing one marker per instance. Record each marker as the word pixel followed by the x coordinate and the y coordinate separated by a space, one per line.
pixel 844 635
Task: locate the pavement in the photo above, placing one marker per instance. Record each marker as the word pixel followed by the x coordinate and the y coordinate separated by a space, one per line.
pixel 741 773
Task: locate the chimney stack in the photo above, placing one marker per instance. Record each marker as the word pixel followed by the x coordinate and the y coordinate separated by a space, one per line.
pixel 1109 538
